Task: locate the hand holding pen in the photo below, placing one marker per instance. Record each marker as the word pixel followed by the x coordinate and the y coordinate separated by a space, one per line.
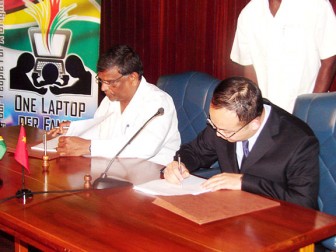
pixel 176 171
pixel 60 130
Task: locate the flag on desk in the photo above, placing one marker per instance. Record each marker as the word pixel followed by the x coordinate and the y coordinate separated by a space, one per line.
pixel 3 147
pixel 21 153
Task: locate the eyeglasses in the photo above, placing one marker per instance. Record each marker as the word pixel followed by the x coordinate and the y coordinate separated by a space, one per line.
pixel 224 134
pixel 111 83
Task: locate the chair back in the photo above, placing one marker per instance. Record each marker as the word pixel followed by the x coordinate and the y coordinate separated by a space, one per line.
pixel 192 93
pixel 319 111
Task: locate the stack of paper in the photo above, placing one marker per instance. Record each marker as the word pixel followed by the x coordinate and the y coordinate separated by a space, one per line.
pixel 190 185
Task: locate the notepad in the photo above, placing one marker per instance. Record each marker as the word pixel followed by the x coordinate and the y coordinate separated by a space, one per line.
pixel 190 185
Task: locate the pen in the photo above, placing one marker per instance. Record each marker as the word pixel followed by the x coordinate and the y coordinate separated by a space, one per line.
pixel 179 163
pixel 162 172
pixel 64 127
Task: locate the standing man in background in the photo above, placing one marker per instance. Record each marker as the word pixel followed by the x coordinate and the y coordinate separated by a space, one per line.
pixel 129 103
pixel 288 47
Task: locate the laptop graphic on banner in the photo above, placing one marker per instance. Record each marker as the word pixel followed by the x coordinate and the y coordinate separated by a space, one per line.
pixel 59 47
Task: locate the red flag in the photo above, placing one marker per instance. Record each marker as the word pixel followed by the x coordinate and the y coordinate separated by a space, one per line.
pixel 21 153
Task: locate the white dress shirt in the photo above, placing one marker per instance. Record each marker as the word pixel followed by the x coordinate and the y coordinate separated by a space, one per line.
pixel 285 49
pixel 158 141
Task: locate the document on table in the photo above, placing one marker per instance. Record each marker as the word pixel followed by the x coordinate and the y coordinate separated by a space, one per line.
pixel 77 128
pixel 51 145
pixel 190 185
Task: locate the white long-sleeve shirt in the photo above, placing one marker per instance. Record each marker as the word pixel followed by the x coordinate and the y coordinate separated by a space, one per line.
pixel 286 50
pixel 158 141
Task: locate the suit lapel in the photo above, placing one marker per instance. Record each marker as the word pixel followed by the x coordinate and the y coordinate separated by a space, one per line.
pixel 264 141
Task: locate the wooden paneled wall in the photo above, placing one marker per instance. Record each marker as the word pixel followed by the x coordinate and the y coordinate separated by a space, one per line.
pixel 173 36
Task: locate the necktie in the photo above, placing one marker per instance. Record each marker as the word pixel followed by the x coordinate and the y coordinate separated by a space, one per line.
pixel 245 148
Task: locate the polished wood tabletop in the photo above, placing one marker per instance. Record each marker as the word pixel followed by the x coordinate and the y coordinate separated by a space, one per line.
pixel 121 219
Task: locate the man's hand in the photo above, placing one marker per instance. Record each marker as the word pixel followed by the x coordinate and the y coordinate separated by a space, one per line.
pixel 175 174
pixel 73 146
pixel 224 180
pixel 62 129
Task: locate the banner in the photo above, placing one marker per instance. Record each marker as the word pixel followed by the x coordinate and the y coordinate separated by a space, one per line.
pixel 48 55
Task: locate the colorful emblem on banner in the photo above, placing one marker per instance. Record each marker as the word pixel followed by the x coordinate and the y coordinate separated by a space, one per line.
pixel 50 75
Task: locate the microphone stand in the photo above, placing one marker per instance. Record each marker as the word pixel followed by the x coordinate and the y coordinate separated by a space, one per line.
pixel 20 193
pixel 103 181
pixel 26 195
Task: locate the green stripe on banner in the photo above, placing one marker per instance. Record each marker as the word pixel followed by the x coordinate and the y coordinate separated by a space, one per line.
pixel 17 39
pixel 3 147
pixel 85 35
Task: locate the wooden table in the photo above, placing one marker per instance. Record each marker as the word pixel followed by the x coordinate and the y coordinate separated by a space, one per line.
pixel 121 219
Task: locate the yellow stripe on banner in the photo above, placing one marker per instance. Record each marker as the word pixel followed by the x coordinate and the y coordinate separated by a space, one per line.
pixel 18 18
pixel 85 8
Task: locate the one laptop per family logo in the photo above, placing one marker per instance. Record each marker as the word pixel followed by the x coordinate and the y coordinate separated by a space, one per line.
pixel 49 65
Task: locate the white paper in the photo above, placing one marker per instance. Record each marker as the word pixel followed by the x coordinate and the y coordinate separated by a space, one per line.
pixel 51 145
pixel 190 185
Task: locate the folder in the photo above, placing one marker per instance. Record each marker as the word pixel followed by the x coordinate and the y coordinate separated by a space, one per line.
pixel 213 206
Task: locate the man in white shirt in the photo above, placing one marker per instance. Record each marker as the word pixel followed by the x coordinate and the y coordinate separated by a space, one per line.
pixel 287 47
pixel 129 103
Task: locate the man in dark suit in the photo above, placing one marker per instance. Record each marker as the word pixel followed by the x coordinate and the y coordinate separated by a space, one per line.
pixel 280 161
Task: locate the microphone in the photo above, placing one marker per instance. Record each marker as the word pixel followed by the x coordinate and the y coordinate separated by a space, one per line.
pixel 103 181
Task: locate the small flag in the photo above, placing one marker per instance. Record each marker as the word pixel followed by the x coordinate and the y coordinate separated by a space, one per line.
pixel 21 153
pixel 3 147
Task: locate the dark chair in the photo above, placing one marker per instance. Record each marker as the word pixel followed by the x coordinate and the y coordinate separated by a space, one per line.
pixel 192 93
pixel 319 111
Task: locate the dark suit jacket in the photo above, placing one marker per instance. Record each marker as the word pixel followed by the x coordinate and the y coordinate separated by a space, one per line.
pixel 282 164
